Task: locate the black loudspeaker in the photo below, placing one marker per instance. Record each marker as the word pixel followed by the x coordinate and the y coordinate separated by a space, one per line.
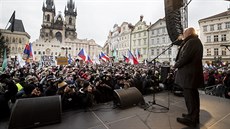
pixel 33 112
pixel 173 18
pixel 128 97
pixel 164 73
pixel 173 4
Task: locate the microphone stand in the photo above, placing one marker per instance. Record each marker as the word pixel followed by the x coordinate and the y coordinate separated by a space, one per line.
pixel 154 69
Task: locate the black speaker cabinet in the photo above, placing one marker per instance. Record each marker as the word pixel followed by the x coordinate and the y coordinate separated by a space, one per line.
pixel 33 112
pixel 164 73
pixel 128 97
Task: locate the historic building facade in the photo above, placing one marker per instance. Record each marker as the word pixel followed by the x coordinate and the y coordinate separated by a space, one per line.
pixel 139 38
pixel 215 32
pixel 159 41
pixel 15 40
pixel 58 35
pixel 149 40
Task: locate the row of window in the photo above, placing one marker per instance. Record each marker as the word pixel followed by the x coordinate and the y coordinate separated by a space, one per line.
pixel 15 50
pixel 218 26
pixel 139 43
pixel 153 51
pixel 160 40
pixel 159 31
pixel 14 40
pixel 121 45
pixel 216 52
pixel 44 53
pixel 216 38
pixel 48 52
pixel 58 46
pixel 139 34
pixel 157 50
pixel 40 45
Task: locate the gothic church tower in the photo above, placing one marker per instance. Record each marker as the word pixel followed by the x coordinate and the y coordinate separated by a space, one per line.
pixel 55 27
pixel 70 20
pixel 48 19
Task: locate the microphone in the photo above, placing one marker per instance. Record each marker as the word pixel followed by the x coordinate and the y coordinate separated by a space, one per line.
pixel 223 45
pixel 177 42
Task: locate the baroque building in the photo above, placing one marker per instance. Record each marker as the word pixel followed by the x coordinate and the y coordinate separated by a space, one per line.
pixel 214 33
pixel 149 40
pixel 139 38
pixel 159 41
pixel 58 36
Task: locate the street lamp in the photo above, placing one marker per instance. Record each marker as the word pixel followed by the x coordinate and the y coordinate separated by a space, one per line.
pixel 66 50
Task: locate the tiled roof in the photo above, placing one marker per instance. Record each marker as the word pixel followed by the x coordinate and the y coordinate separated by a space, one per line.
pixel 226 13
pixel 18 26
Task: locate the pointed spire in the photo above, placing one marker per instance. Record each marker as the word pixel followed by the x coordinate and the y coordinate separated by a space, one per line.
pixel 49 4
pixel 70 6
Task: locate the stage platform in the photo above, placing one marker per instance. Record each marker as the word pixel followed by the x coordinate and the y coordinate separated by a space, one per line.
pixel 215 114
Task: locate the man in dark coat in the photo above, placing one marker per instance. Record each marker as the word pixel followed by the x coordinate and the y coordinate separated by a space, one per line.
pixel 190 75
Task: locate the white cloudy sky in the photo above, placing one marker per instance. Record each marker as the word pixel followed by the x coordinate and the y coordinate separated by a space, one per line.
pixel 96 17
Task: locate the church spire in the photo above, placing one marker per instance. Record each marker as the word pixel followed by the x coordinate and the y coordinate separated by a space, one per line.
pixel 49 4
pixel 70 8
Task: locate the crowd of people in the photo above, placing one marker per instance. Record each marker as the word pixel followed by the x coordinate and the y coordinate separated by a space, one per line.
pixel 79 86
pixel 83 86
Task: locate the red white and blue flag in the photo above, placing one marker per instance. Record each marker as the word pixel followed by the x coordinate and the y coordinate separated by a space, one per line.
pixel 126 59
pixel 137 53
pixel 28 51
pixel 104 56
pixel 83 55
pixel 89 60
pixel 101 58
pixel 132 59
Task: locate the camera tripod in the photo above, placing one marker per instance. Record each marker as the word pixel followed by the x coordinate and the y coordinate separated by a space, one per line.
pixel 153 102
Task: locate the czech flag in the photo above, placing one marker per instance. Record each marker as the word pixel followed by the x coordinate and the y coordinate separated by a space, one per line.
pixel 89 60
pixel 83 55
pixel 104 56
pixel 28 51
pixel 101 58
pixel 137 53
pixel 132 59
pixel 126 59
